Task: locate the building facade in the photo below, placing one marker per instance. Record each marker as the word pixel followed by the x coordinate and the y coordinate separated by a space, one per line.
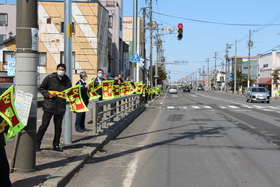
pixel 90 37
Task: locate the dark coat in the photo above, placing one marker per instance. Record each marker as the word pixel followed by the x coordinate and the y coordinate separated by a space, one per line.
pixel 84 93
pixel 55 105
pixel 98 91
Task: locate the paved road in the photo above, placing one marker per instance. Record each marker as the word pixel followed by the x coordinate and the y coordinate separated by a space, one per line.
pixel 192 139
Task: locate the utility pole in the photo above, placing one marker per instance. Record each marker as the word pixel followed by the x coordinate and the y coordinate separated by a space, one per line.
pixel 68 63
pixel 151 43
pixel 26 81
pixel 235 66
pixel 215 76
pixel 208 81
pixel 144 44
pixel 226 69
pixel 249 63
pixel 134 49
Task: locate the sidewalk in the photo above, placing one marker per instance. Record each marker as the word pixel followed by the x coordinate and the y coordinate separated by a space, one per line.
pixel 57 168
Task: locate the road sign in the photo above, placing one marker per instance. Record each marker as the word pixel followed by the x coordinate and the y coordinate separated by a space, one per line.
pixel 135 58
pixel 167 29
pixel 180 62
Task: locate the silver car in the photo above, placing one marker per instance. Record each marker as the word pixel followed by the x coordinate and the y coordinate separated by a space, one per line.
pixel 257 94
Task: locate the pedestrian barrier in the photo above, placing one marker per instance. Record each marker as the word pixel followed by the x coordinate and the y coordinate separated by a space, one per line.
pixel 107 112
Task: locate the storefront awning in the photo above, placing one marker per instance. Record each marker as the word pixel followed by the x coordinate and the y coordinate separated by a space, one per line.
pixel 265 81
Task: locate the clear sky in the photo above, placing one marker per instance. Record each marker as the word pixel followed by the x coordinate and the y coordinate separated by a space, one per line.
pixel 208 26
pixel 231 20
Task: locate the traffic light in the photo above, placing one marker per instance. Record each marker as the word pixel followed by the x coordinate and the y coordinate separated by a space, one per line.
pixel 180 31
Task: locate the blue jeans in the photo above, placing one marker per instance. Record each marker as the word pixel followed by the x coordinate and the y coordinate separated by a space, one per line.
pixel 80 121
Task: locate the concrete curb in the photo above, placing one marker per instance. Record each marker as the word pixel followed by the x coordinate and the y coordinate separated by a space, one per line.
pixel 61 177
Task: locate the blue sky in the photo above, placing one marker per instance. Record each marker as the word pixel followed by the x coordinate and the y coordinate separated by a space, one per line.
pixel 200 39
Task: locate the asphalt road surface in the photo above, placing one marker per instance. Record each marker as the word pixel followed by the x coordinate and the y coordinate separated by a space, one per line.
pixel 192 139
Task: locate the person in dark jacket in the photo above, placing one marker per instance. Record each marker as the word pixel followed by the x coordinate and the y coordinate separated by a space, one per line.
pixel 53 104
pixel 98 90
pixel 4 164
pixel 80 117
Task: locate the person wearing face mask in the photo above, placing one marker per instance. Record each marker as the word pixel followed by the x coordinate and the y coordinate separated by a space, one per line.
pixel 53 105
pixel 98 90
pixel 80 117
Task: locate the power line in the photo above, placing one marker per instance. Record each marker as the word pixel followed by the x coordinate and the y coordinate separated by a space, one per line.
pixel 218 23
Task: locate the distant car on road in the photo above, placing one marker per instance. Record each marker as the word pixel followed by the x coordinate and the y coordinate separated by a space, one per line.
pixel 257 94
pixel 186 89
pixel 173 89
pixel 200 88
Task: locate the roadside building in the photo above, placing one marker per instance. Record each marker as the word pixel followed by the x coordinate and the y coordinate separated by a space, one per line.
pixel 90 37
pixel 128 38
pixel 268 63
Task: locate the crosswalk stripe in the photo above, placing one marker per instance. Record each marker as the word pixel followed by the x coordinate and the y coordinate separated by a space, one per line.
pixel 231 106
pixel 195 107
pixel 170 107
pixel 207 107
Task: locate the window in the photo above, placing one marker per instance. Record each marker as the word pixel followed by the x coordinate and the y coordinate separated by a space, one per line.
pixel 42 57
pixel 121 24
pixel 3 19
pixel 2 37
pixel 6 55
pixel 62 27
pixel 73 59
pixel 110 21
pixel 49 20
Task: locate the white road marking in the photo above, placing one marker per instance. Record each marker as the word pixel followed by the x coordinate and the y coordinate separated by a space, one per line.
pixel 222 107
pixel 231 106
pixel 170 107
pixel 184 107
pixel 195 107
pixel 207 107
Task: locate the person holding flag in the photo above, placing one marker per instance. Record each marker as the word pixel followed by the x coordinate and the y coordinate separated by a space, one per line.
pixel 54 104
pixel 81 116
pixel 98 89
pixel 4 164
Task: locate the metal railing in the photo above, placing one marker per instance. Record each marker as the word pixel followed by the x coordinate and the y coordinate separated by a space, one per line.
pixel 106 113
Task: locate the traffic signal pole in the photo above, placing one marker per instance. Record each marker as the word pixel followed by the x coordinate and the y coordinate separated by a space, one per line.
pixel 26 80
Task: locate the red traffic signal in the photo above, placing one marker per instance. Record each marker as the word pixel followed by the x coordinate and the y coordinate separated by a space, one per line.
pixel 180 31
pixel 180 26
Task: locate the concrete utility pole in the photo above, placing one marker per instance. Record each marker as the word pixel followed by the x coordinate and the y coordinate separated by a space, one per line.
pixel 26 80
pixel 215 75
pixel 208 81
pixel 249 63
pixel 68 63
pixel 151 43
pixel 226 69
pixel 134 49
pixel 235 66
pixel 144 44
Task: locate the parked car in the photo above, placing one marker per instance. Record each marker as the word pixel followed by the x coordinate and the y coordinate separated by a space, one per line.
pixel 257 94
pixel 186 89
pixel 200 88
pixel 173 89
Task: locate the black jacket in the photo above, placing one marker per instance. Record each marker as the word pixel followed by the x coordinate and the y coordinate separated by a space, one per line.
pixel 84 93
pixel 2 137
pixel 96 83
pixel 55 105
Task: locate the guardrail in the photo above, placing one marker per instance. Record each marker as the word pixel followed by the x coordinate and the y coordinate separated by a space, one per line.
pixel 106 113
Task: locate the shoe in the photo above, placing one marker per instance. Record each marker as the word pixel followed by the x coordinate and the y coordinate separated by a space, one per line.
pixel 80 130
pixel 89 122
pixel 38 148
pixel 85 129
pixel 57 148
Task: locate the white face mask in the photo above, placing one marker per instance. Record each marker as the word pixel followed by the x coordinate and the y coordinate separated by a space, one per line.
pixel 61 73
pixel 86 79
